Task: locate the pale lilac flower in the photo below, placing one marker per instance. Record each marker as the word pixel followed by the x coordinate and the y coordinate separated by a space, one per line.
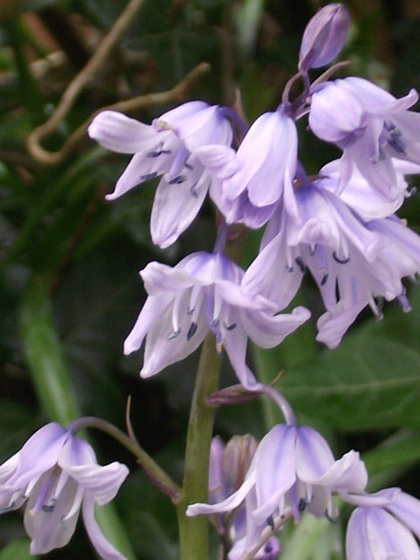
pixel 228 466
pixel 354 262
pixel 371 126
pixel 56 474
pixel 324 37
pixel 203 294
pixel 293 470
pixel 381 528
pixel 166 147
pixel 249 185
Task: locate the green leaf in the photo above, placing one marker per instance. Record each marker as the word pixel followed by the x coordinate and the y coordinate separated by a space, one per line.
pixel 313 539
pixel 392 458
pixel 44 355
pixel 370 381
pixel 17 549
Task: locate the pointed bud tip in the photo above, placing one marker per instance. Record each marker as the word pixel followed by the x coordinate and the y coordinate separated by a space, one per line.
pixel 324 37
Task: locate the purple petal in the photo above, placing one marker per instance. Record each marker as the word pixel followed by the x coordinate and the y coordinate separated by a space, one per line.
pixel 165 345
pixel 407 509
pixel 39 454
pixel 102 546
pixel 149 315
pixel 260 164
pixel 268 330
pixel 176 205
pixel 230 503
pixel 335 113
pixel 53 527
pixel 348 474
pixel 143 166
pixel 121 134
pixel 79 461
pixel 235 343
pixel 381 498
pixel 219 160
pixel 359 195
pixel 276 469
pixel 275 273
pixel 333 325
pixel 197 124
pixel 313 455
pixel 373 534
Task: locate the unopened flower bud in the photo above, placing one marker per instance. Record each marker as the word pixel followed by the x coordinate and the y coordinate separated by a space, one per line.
pixel 237 457
pixel 324 37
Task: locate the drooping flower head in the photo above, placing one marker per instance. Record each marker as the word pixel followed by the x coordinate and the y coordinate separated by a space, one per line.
pixel 354 260
pixel 56 474
pixel 293 470
pixel 203 294
pixel 250 183
pixel 166 147
pixel 371 126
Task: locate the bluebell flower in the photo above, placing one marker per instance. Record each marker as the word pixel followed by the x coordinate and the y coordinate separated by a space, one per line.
pixel 371 126
pixel 228 466
pixel 56 474
pixel 293 470
pixel 166 147
pixel 203 294
pixel 249 184
pixel 324 37
pixel 355 262
pixel 382 526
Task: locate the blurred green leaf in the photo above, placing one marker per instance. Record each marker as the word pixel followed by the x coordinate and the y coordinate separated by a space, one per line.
pixel 313 539
pixel 44 355
pixel 370 381
pixel 17 550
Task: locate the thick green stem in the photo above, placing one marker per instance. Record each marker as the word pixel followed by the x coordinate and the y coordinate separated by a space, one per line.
pixel 194 531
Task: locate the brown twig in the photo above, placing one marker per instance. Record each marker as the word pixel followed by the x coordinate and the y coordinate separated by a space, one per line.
pixel 178 92
pixel 76 86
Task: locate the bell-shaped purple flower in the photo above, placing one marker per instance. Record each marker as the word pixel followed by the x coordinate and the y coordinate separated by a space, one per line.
pixel 166 147
pixel 353 261
pixel 371 126
pixel 203 294
pixel 292 470
pixel 56 474
pixel 324 37
pixel 382 526
pixel 248 185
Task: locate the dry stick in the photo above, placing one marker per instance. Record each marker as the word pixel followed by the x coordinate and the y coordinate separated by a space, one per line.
pixel 176 93
pixel 76 86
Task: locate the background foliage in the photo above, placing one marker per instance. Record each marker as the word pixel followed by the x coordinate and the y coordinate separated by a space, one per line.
pixel 69 288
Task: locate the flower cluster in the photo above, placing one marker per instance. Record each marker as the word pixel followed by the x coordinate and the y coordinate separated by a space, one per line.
pixel 339 224
pixel 292 472
pixel 55 474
